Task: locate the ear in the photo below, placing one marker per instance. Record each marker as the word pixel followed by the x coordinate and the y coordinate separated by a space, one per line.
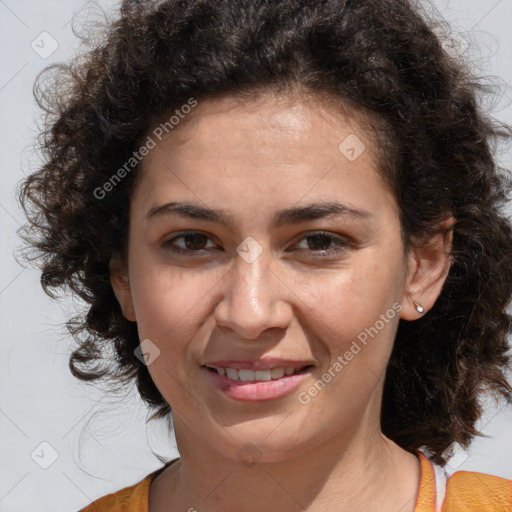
pixel 121 284
pixel 429 263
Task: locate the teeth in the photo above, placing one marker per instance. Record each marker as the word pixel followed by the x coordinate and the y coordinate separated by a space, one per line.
pixel 263 375
pixel 246 375
pixel 231 373
pixel 277 373
pixel 255 375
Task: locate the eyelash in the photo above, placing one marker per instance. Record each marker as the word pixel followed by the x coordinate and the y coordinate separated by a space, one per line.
pixel 322 253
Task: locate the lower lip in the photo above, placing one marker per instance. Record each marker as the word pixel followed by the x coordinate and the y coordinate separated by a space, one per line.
pixel 254 391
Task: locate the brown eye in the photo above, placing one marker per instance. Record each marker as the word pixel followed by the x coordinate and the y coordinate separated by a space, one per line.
pixel 319 242
pixel 195 242
pixel 188 243
pixel 322 244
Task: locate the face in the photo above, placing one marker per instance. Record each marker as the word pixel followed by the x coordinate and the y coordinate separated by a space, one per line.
pixel 267 270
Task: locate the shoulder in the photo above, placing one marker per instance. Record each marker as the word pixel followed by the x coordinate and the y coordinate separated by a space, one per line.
pixel 472 491
pixel 463 491
pixel 129 499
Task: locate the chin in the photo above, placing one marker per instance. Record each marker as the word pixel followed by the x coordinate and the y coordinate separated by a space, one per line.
pixel 265 445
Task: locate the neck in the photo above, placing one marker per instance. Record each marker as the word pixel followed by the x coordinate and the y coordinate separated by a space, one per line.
pixel 368 473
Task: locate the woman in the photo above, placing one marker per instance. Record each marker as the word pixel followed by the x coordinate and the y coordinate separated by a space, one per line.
pixel 286 218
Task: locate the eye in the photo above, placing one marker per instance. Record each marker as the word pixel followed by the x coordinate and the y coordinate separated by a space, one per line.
pixel 321 244
pixel 186 243
pixel 325 244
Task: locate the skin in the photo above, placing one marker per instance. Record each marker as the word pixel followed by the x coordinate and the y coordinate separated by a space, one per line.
pixel 252 158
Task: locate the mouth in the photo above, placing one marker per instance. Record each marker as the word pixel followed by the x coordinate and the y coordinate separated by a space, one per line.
pixel 243 382
pixel 250 375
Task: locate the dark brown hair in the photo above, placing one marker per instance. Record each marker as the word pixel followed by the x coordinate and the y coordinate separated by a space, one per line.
pixel 380 56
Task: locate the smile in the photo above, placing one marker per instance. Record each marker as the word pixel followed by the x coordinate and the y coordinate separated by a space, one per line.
pixel 250 385
pixel 248 375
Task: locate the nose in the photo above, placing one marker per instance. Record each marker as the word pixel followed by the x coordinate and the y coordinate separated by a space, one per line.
pixel 254 300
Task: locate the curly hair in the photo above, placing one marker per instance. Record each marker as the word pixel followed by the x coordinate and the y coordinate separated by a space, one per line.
pixel 381 57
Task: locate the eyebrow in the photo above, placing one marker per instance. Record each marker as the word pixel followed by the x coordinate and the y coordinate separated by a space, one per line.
pixel 292 215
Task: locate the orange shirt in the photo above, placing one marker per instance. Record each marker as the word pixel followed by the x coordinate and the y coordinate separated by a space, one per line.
pixel 465 491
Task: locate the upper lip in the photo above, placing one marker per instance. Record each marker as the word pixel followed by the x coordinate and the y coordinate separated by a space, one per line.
pixel 258 364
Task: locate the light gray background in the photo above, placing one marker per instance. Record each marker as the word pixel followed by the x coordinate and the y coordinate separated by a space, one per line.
pixel 40 401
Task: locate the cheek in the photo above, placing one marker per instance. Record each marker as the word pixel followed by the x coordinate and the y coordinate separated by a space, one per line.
pixel 355 316
pixel 351 300
pixel 171 307
pixel 169 301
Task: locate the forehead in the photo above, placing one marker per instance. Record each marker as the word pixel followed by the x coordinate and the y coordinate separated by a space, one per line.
pixel 310 120
pixel 277 146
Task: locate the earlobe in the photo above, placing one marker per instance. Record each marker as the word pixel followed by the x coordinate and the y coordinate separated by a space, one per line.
pixel 122 289
pixel 429 264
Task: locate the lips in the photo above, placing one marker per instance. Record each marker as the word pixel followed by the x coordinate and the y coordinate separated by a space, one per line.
pixel 259 364
pixel 262 379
